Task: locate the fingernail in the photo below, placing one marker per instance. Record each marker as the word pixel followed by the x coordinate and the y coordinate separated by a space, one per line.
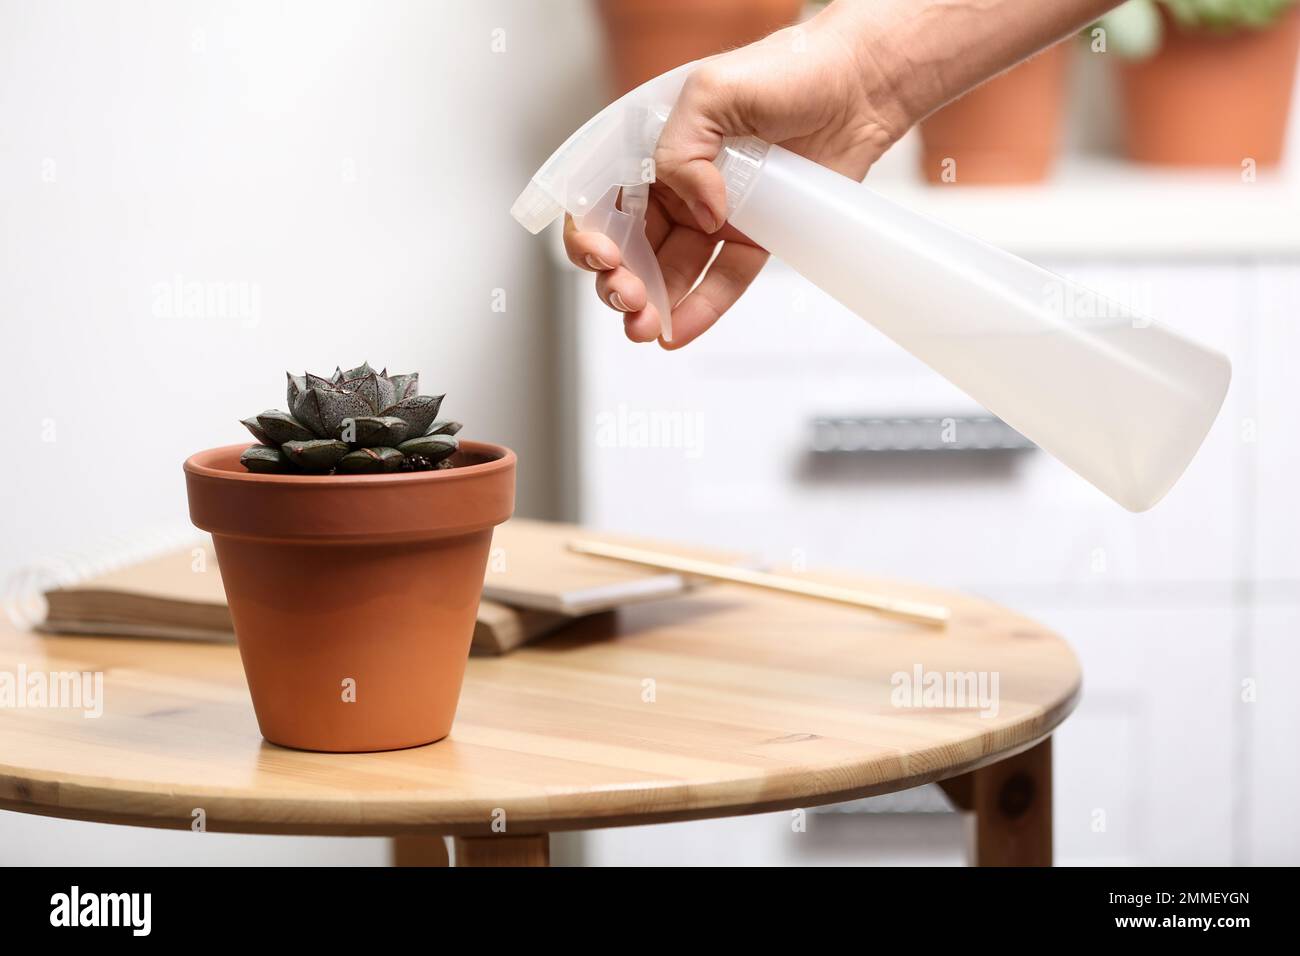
pixel 617 302
pixel 597 263
pixel 703 216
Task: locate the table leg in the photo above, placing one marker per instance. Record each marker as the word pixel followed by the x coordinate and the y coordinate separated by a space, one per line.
pixel 502 850
pixel 420 851
pixel 1012 804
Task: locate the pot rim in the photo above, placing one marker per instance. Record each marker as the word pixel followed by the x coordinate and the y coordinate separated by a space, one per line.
pixel 502 459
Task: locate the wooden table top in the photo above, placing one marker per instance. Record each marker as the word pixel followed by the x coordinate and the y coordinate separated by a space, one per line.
pixel 724 702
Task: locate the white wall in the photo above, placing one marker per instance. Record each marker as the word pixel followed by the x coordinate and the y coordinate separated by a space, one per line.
pixel 347 166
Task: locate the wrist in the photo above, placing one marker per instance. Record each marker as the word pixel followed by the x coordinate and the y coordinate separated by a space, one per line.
pixel 898 90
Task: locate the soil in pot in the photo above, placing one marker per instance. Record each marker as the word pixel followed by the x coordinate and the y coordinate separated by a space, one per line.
pixel 1007 130
pixel 353 597
pixel 1212 99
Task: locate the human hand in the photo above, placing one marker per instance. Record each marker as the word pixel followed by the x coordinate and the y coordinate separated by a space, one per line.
pixel 814 90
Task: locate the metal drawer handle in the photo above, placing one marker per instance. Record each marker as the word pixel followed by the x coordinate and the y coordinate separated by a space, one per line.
pixel 848 435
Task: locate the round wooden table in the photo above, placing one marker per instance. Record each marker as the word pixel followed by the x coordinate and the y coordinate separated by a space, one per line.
pixel 728 701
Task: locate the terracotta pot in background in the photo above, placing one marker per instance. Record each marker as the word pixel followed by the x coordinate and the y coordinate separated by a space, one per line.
pixel 649 37
pixel 1006 131
pixel 373 578
pixel 1212 99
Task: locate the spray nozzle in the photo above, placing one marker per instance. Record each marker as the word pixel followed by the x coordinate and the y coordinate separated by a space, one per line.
pixel 601 177
pixel 535 209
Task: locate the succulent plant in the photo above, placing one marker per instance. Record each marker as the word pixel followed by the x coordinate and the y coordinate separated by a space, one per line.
pixel 354 422
pixel 1136 31
pixel 1227 14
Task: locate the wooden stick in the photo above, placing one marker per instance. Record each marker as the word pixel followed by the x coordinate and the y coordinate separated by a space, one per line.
pixel 933 614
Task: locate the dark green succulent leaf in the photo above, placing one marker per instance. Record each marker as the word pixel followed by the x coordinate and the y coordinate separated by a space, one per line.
pixel 377 431
pixel 433 447
pixel 297 385
pixel 307 409
pixel 265 459
pixel 368 387
pixel 319 454
pixel 336 406
pixel 387 392
pixel 259 436
pixel 358 414
pixel 371 461
pixel 281 427
pixel 419 412
pixel 405 386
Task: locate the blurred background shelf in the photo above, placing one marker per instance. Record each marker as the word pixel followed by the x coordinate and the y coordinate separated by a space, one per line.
pixel 1106 208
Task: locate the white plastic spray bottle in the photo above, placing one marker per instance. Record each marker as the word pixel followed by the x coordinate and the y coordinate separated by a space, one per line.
pixel 1120 399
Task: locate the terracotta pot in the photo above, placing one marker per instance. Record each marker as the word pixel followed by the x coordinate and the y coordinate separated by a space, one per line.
pixel 367 581
pixel 649 37
pixel 1212 99
pixel 1007 130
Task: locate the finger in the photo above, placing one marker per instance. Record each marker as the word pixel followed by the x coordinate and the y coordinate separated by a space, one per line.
pixel 690 141
pixel 621 290
pixel 642 326
pixel 592 251
pixel 728 277
pixel 682 257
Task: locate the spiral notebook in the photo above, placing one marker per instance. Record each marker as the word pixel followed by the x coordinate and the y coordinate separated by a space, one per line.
pixel 533 586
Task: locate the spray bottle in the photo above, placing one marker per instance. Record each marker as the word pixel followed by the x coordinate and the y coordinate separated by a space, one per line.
pixel 1122 400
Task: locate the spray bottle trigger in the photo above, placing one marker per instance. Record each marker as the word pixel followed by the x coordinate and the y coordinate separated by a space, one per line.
pixel 626 227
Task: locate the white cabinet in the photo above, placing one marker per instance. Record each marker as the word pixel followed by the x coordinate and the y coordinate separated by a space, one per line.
pixel 1270 428
pixel 1170 610
pixel 739 469
pixel 1145 767
pixel 1270 737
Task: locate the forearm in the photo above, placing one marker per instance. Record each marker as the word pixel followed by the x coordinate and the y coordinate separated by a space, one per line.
pixel 916 55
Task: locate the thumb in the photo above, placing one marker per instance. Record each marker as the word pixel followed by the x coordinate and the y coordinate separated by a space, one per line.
pixel 703 116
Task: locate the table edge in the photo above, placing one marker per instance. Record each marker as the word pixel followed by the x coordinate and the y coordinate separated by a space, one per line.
pixel 409 816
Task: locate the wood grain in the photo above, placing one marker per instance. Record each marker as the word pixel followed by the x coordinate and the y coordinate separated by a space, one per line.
pixel 420 851
pixel 503 850
pixel 725 702
pixel 1012 805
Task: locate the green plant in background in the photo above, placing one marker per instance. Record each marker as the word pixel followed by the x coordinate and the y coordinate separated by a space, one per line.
pixel 1135 29
pixel 354 422
pixel 1226 14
